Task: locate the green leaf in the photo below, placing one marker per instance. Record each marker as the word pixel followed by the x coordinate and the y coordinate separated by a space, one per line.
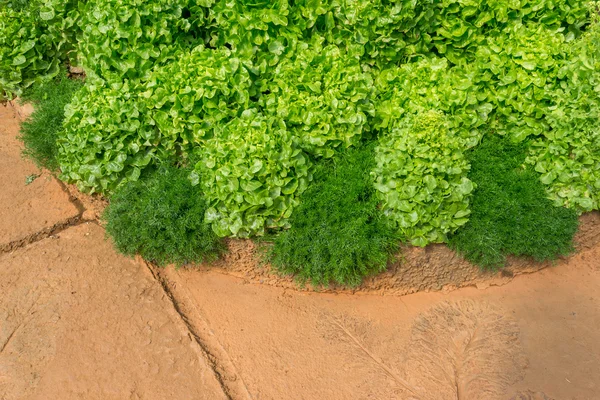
pixel 47 13
pixel 250 186
pixel 114 166
pixel 276 47
pixel 19 60
pixel 465 187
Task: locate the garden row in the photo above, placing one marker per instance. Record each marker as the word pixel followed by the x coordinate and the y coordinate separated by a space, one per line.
pixel 336 128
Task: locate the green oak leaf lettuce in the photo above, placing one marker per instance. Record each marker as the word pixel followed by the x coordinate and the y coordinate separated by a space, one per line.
pixel 567 155
pixel 203 90
pixel 252 173
pixel 108 138
pixel 324 97
pixel 125 39
pixel 518 70
pixel 420 177
pixel 34 41
pixel 433 84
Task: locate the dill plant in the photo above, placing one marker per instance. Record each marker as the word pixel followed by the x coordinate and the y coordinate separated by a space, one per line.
pixel 510 211
pixel 337 233
pixel 161 218
pixel 39 132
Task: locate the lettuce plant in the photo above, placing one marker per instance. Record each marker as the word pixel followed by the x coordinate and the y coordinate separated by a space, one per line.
pixel 462 27
pixel 192 96
pixel 420 177
pixel 256 30
pixel 383 33
pixel 518 70
pixel 375 31
pixel 252 173
pixel 324 97
pixel 124 39
pixel 34 40
pixel 433 84
pixel 259 91
pixel 567 154
pixel 108 138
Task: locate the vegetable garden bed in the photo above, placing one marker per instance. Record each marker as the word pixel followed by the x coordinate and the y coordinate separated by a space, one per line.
pixel 333 130
pixel 413 269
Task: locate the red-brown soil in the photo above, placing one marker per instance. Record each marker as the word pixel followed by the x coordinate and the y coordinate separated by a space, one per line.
pixel 539 333
pixel 79 321
pixel 27 210
pixel 433 268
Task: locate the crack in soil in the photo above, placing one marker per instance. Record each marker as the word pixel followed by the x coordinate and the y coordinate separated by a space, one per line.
pixel 54 229
pixel 228 385
pixel 5 345
pixel 233 385
pixel 74 200
pixel 43 234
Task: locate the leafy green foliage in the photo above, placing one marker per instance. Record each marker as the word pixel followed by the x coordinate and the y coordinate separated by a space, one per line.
pixel 17 5
pixel 108 138
pixel 379 31
pixel 568 154
pixel 510 212
pixel 252 172
pixel 257 29
pixel 432 84
pixel 39 132
pixel 505 88
pixel 510 85
pixel 18 41
pixel 324 97
pixel 34 39
pixel 462 27
pixel 382 32
pixel 124 39
pixel 259 91
pixel 517 71
pixel 161 218
pixel 199 92
pixel 337 233
pixel 420 178
pixel 113 131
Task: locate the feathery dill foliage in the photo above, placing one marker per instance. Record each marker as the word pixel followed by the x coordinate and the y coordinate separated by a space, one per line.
pixel 161 218
pixel 337 233
pixel 511 214
pixel 39 132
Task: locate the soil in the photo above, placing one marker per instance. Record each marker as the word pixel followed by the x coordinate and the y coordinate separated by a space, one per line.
pixel 78 320
pixel 415 269
pixel 27 209
pixel 540 333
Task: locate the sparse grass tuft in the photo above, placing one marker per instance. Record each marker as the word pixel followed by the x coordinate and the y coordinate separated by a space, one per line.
pixel 511 214
pixel 161 218
pixel 39 132
pixel 337 233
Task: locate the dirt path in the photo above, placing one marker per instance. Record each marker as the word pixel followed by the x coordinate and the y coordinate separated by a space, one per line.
pixel 28 211
pixel 540 333
pixel 79 321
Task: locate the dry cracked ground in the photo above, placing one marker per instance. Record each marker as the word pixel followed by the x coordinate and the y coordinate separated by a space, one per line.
pixel 79 321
